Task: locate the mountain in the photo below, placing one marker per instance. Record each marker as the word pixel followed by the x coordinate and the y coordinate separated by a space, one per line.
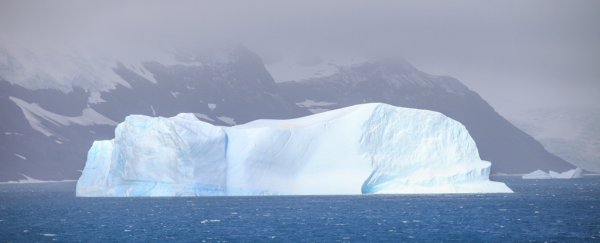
pixel 398 83
pixel 53 109
pixel 46 132
pixel 572 134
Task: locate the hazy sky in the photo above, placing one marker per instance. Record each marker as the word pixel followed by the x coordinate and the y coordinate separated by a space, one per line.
pixel 517 54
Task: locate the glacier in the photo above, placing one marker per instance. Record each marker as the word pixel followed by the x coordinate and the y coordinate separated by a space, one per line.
pixel 363 149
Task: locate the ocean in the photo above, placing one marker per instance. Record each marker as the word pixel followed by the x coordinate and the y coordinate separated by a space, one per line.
pixel 539 210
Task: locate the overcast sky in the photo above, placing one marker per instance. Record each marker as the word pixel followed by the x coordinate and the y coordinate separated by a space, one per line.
pixel 518 55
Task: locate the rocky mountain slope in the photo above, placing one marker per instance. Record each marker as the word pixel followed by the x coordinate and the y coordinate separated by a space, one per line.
pixel 398 83
pixel 47 125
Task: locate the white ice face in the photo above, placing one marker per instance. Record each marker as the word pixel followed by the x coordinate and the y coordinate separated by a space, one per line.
pixel 362 149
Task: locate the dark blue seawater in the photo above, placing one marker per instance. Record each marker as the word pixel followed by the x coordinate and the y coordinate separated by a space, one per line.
pixel 540 210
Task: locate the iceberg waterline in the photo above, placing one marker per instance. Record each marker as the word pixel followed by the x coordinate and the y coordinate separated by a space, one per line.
pixel 362 149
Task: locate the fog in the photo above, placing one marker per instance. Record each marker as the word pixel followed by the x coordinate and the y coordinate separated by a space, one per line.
pixel 518 55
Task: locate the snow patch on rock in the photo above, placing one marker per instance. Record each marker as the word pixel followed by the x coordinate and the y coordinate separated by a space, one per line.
pixel 226 119
pixel 36 115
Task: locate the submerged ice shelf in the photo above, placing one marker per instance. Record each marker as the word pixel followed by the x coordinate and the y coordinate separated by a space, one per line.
pixel 362 149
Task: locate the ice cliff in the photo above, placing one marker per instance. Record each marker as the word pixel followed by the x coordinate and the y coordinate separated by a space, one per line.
pixel 369 149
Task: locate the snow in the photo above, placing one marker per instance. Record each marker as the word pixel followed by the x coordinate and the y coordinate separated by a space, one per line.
pixel 139 69
pixel 95 98
pixel 362 149
pixel 21 157
pixel 153 111
pixel 59 68
pixel 13 133
pixel 36 114
pixel 227 120
pixel 569 174
pixel 203 117
pixel 570 133
pixel 315 106
pixel 317 110
pixel 291 69
pixel 29 180
pixel 311 103
pixel 67 65
pixel 212 106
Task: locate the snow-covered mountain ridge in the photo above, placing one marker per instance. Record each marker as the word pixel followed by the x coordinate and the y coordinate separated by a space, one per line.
pixel 225 89
pixel 572 134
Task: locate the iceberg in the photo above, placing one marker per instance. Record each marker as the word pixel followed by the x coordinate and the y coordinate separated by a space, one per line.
pixel 538 174
pixel 363 149
pixel 569 174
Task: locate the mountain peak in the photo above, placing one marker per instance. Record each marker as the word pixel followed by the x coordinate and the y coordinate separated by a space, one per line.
pixel 392 73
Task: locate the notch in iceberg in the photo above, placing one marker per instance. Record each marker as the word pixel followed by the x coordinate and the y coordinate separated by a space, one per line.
pixel 362 149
